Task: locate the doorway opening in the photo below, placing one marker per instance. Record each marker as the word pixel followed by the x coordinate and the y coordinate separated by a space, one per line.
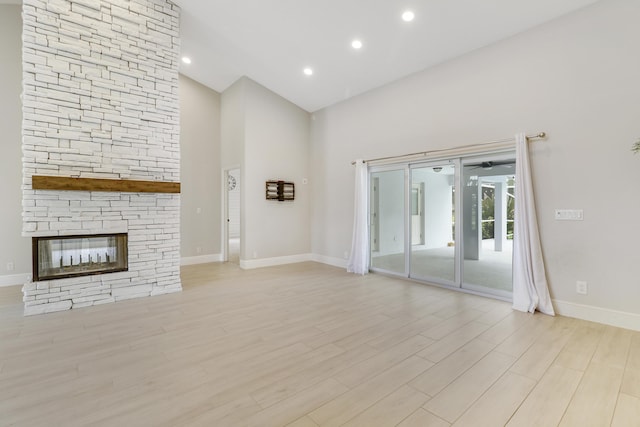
pixel 232 215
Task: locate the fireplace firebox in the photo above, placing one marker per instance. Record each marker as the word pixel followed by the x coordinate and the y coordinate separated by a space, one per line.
pixel 58 257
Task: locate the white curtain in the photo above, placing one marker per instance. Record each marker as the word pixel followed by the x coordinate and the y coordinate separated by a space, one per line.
pixel 530 289
pixel 359 258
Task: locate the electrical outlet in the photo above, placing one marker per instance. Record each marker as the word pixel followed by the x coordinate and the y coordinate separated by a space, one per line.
pixel 581 287
pixel 346 255
pixel 10 266
pixel 255 255
pixel 198 210
pixel 199 249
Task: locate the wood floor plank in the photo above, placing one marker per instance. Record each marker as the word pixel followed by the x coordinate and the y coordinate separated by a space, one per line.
pixel 518 343
pixel 541 354
pixel 303 422
pixel 367 369
pixel 356 400
pixel 233 413
pixel 614 347
pixel 631 379
pixel 582 344
pixel 297 406
pixel 631 382
pixel 507 326
pixel 627 411
pixel 549 399
pixel 382 330
pixel 499 311
pixel 497 405
pixel 595 399
pixel 295 382
pixel 391 410
pixel 447 345
pixel 458 396
pixel 422 418
pixel 452 324
pixel 405 332
pixel 436 378
pixel 338 333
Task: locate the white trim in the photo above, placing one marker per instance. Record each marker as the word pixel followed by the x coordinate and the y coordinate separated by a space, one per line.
pixel 248 264
pixel 592 313
pixel 15 279
pixel 201 259
pixel 323 259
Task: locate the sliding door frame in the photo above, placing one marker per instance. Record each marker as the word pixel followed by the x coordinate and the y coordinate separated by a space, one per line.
pixel 406 223
pixel 458 161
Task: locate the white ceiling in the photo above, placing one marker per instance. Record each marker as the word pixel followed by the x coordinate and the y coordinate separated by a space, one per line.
pixel 271 41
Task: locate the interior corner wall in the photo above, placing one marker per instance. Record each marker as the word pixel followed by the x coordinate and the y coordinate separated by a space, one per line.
pixel 570 78
pixel 13 247
pixel 268 138
pixel 232 125
pixel 276 148
pixel 232 130
pixel 200 214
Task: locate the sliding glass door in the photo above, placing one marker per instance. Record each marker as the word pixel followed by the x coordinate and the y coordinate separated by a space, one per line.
pixel 489 205
pixel 433 223
pixel 387 220
pixel 448 222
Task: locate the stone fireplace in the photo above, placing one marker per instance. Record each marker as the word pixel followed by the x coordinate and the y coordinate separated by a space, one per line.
pixel 100 104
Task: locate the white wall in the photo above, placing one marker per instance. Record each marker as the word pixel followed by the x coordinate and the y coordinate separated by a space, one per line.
pixel 200 170
pixel 276 148
pixel 232 118
pixel 575 78
pixel 13 247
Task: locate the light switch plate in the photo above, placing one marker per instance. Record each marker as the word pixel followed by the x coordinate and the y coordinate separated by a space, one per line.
pixel 569 215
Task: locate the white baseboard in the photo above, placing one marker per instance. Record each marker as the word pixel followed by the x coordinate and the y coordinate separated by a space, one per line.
pixel 201 259
pixel 336 262
pixel 249 264
pixel 15 279
pixel 591 313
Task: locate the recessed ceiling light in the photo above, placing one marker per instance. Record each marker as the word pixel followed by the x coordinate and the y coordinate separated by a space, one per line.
pixel 356 44
pixel 408 16
pixel 186 60
pixel 308 71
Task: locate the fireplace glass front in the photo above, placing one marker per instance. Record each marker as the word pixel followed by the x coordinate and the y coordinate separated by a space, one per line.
pixel 69 256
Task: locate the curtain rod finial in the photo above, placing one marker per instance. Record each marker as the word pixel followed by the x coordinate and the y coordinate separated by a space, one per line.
pixel 542 135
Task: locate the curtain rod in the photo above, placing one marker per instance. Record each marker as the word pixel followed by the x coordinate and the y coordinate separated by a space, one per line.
pixel 539 135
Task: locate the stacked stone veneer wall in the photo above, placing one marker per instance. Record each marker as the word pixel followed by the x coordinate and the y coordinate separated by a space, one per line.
pixel 100 100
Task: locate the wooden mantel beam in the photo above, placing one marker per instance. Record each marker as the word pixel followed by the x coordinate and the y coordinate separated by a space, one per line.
pixel 42 182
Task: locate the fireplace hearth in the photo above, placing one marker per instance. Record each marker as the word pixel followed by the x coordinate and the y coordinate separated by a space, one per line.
pixel 61 257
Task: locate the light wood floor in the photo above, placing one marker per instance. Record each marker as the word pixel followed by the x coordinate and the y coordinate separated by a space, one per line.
pixel 310 345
